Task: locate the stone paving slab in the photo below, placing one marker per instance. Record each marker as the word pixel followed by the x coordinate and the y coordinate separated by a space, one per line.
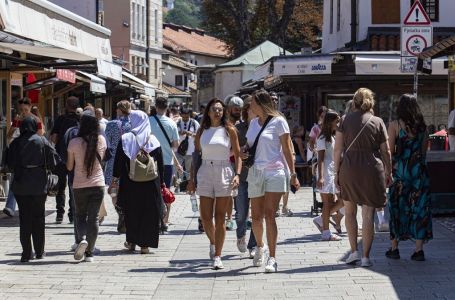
pixel 180 269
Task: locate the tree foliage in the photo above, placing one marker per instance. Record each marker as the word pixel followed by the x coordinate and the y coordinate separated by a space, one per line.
pixel 243 24
pixel 185 12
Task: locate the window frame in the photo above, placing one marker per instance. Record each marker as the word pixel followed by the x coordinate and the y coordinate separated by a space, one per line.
pixel 331 16
pixel 426 5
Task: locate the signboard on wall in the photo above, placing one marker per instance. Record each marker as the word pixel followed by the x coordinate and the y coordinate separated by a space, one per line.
pixel 303 66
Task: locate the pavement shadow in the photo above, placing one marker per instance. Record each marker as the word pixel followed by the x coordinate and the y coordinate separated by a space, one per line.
pixel 183 232
pixel 6 221
pixel 308 238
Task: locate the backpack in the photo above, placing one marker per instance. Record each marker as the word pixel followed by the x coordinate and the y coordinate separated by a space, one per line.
pixel 143 167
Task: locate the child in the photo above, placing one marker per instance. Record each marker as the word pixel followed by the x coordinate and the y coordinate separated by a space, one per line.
pixel 326 174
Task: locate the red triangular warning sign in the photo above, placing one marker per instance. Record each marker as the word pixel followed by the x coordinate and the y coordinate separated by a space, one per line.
pixel 417 15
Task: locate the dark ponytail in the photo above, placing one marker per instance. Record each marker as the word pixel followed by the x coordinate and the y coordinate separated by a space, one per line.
pixel 89 132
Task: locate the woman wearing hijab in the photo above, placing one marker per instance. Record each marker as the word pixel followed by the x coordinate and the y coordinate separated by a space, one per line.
pixel 28 156
pixel 140 201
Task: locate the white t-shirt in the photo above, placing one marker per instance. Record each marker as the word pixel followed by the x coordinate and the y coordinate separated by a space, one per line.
pixel 329 164
pixel 451 121
pixel 269 154
pixel 185 126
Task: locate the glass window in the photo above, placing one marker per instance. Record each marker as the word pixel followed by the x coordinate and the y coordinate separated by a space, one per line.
pixel 431 8
pixel 331 16
pixel 133 23
pixel 178 80
pixel 338 15
pixel 144 25
pixel 156 25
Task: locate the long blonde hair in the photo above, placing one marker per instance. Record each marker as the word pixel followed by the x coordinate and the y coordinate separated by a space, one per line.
pixel 263 99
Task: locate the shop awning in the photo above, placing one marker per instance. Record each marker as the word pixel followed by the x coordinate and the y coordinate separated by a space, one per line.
pixel 389 65
pixel 97 85
pixel 148 89
pixel 303 65
pixel 48 23
pixel 48 51
pixel 442 48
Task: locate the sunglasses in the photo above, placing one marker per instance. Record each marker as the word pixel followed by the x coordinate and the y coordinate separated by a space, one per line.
pixel 23 102
pixel 216 109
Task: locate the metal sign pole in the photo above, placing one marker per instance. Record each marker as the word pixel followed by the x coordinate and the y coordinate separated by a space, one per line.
pixel 416 83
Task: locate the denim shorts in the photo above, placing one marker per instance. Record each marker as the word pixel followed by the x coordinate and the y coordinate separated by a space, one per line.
pixel 214 179
pixel 267 181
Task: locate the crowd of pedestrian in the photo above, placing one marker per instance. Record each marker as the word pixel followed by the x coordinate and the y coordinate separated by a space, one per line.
pixel 236 155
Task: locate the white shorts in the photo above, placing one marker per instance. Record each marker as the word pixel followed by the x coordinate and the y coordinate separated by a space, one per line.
pixel 214 179
pixel 267 181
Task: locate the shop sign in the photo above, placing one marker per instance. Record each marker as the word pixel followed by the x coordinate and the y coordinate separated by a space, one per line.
pixel 66 75
pixel 310 67
pixel 416 35
pixel 109 70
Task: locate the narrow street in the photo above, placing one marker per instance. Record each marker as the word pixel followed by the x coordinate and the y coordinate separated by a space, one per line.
pixel 307 267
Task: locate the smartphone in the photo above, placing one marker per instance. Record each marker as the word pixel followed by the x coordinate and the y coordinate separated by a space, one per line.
pixel 293 189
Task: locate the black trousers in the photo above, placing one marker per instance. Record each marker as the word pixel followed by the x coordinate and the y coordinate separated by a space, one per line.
pixel 31 217
pixel 60 198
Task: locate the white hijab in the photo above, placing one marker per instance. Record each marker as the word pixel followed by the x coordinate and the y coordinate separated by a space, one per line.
pixel 140 135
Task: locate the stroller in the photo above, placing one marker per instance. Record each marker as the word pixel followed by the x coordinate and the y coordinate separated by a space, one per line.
pixel 316 208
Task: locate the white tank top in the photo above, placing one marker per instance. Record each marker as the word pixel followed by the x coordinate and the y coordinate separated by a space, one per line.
pixel 215 144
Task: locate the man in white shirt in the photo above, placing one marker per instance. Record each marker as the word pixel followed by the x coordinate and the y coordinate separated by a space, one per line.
pixel 187 128
pixel 451 127
pixel 100 116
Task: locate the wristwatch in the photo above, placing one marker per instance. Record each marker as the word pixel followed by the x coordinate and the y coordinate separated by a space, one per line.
pixel 293 174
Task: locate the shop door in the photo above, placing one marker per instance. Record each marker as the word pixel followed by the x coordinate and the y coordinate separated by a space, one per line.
pixel 337 102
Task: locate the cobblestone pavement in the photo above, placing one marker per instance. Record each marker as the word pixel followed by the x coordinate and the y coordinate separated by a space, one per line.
pixel 179 269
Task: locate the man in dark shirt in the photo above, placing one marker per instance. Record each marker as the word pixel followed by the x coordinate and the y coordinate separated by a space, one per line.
pixel 61 125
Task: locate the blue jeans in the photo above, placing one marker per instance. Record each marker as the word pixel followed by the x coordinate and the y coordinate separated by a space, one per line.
pixel 11 200
pixel 242 205
pixel 168 173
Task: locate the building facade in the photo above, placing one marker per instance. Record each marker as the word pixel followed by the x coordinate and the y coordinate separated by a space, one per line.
pixel 136 36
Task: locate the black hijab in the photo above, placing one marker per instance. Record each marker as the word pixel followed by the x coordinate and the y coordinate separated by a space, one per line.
pixel 29 126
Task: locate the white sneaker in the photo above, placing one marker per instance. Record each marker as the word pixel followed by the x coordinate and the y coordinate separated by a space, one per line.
pixel 80 250
pixel 366 262
pixel 89 259
pixel 353 258
pixel 271 266
pixel 217 263
pixel 212 252
pixel 241 244
pixel 258 259
pixel 145 250
pixel 252 252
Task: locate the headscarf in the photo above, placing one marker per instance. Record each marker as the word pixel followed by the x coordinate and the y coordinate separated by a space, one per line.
pixel 29 126
pixel 139 135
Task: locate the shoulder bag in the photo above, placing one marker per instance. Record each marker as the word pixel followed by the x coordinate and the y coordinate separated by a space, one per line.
pixel 249 162
pixel 143 167
pixel 51 179
pixel 184 145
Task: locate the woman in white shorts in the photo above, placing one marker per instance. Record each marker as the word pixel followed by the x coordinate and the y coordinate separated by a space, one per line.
pixel 216 178
pixel 269 177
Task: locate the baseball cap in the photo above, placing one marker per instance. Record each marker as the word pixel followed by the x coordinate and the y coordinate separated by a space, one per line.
pixel 236 101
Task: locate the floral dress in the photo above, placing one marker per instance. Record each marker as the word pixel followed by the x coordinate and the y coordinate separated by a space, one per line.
pixel 114 131
pixel 409 201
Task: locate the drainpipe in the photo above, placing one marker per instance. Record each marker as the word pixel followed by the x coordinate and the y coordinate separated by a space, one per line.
pixel 147 39
pixel 354 22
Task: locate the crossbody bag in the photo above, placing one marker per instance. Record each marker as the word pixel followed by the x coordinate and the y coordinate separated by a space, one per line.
pixel 249 162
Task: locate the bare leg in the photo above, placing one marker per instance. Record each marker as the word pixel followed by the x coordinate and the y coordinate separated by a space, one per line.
pixel 229 209
pixel 367 229
pixel 285 201
pixel 206 211
pixel 221 205
pixel 166 219
pixel 419 245
pixel 272 200
pixel 327 200
pixel 257 216
pixel 351 224
pixel 395 244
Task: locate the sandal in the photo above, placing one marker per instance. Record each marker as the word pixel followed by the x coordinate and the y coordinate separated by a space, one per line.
pixel 333 237
pixel 129 246
pixel 334 224
pixel 287 212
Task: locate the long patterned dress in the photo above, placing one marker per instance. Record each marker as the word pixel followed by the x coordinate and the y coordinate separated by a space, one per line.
pixel 114 131
pixel 409 201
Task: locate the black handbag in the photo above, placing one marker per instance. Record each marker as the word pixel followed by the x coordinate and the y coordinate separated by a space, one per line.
pixel 51 179
pixel 249 162
pixel 183 147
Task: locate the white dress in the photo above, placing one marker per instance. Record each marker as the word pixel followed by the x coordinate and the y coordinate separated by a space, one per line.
pixel 329 186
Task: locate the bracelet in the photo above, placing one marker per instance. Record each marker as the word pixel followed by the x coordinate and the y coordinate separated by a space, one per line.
pixel 293 174
pixel 237 174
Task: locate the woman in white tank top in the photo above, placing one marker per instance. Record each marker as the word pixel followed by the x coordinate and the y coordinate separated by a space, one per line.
pixel 216 178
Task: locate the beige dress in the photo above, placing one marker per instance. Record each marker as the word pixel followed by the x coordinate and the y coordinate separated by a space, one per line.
pixel 362 178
